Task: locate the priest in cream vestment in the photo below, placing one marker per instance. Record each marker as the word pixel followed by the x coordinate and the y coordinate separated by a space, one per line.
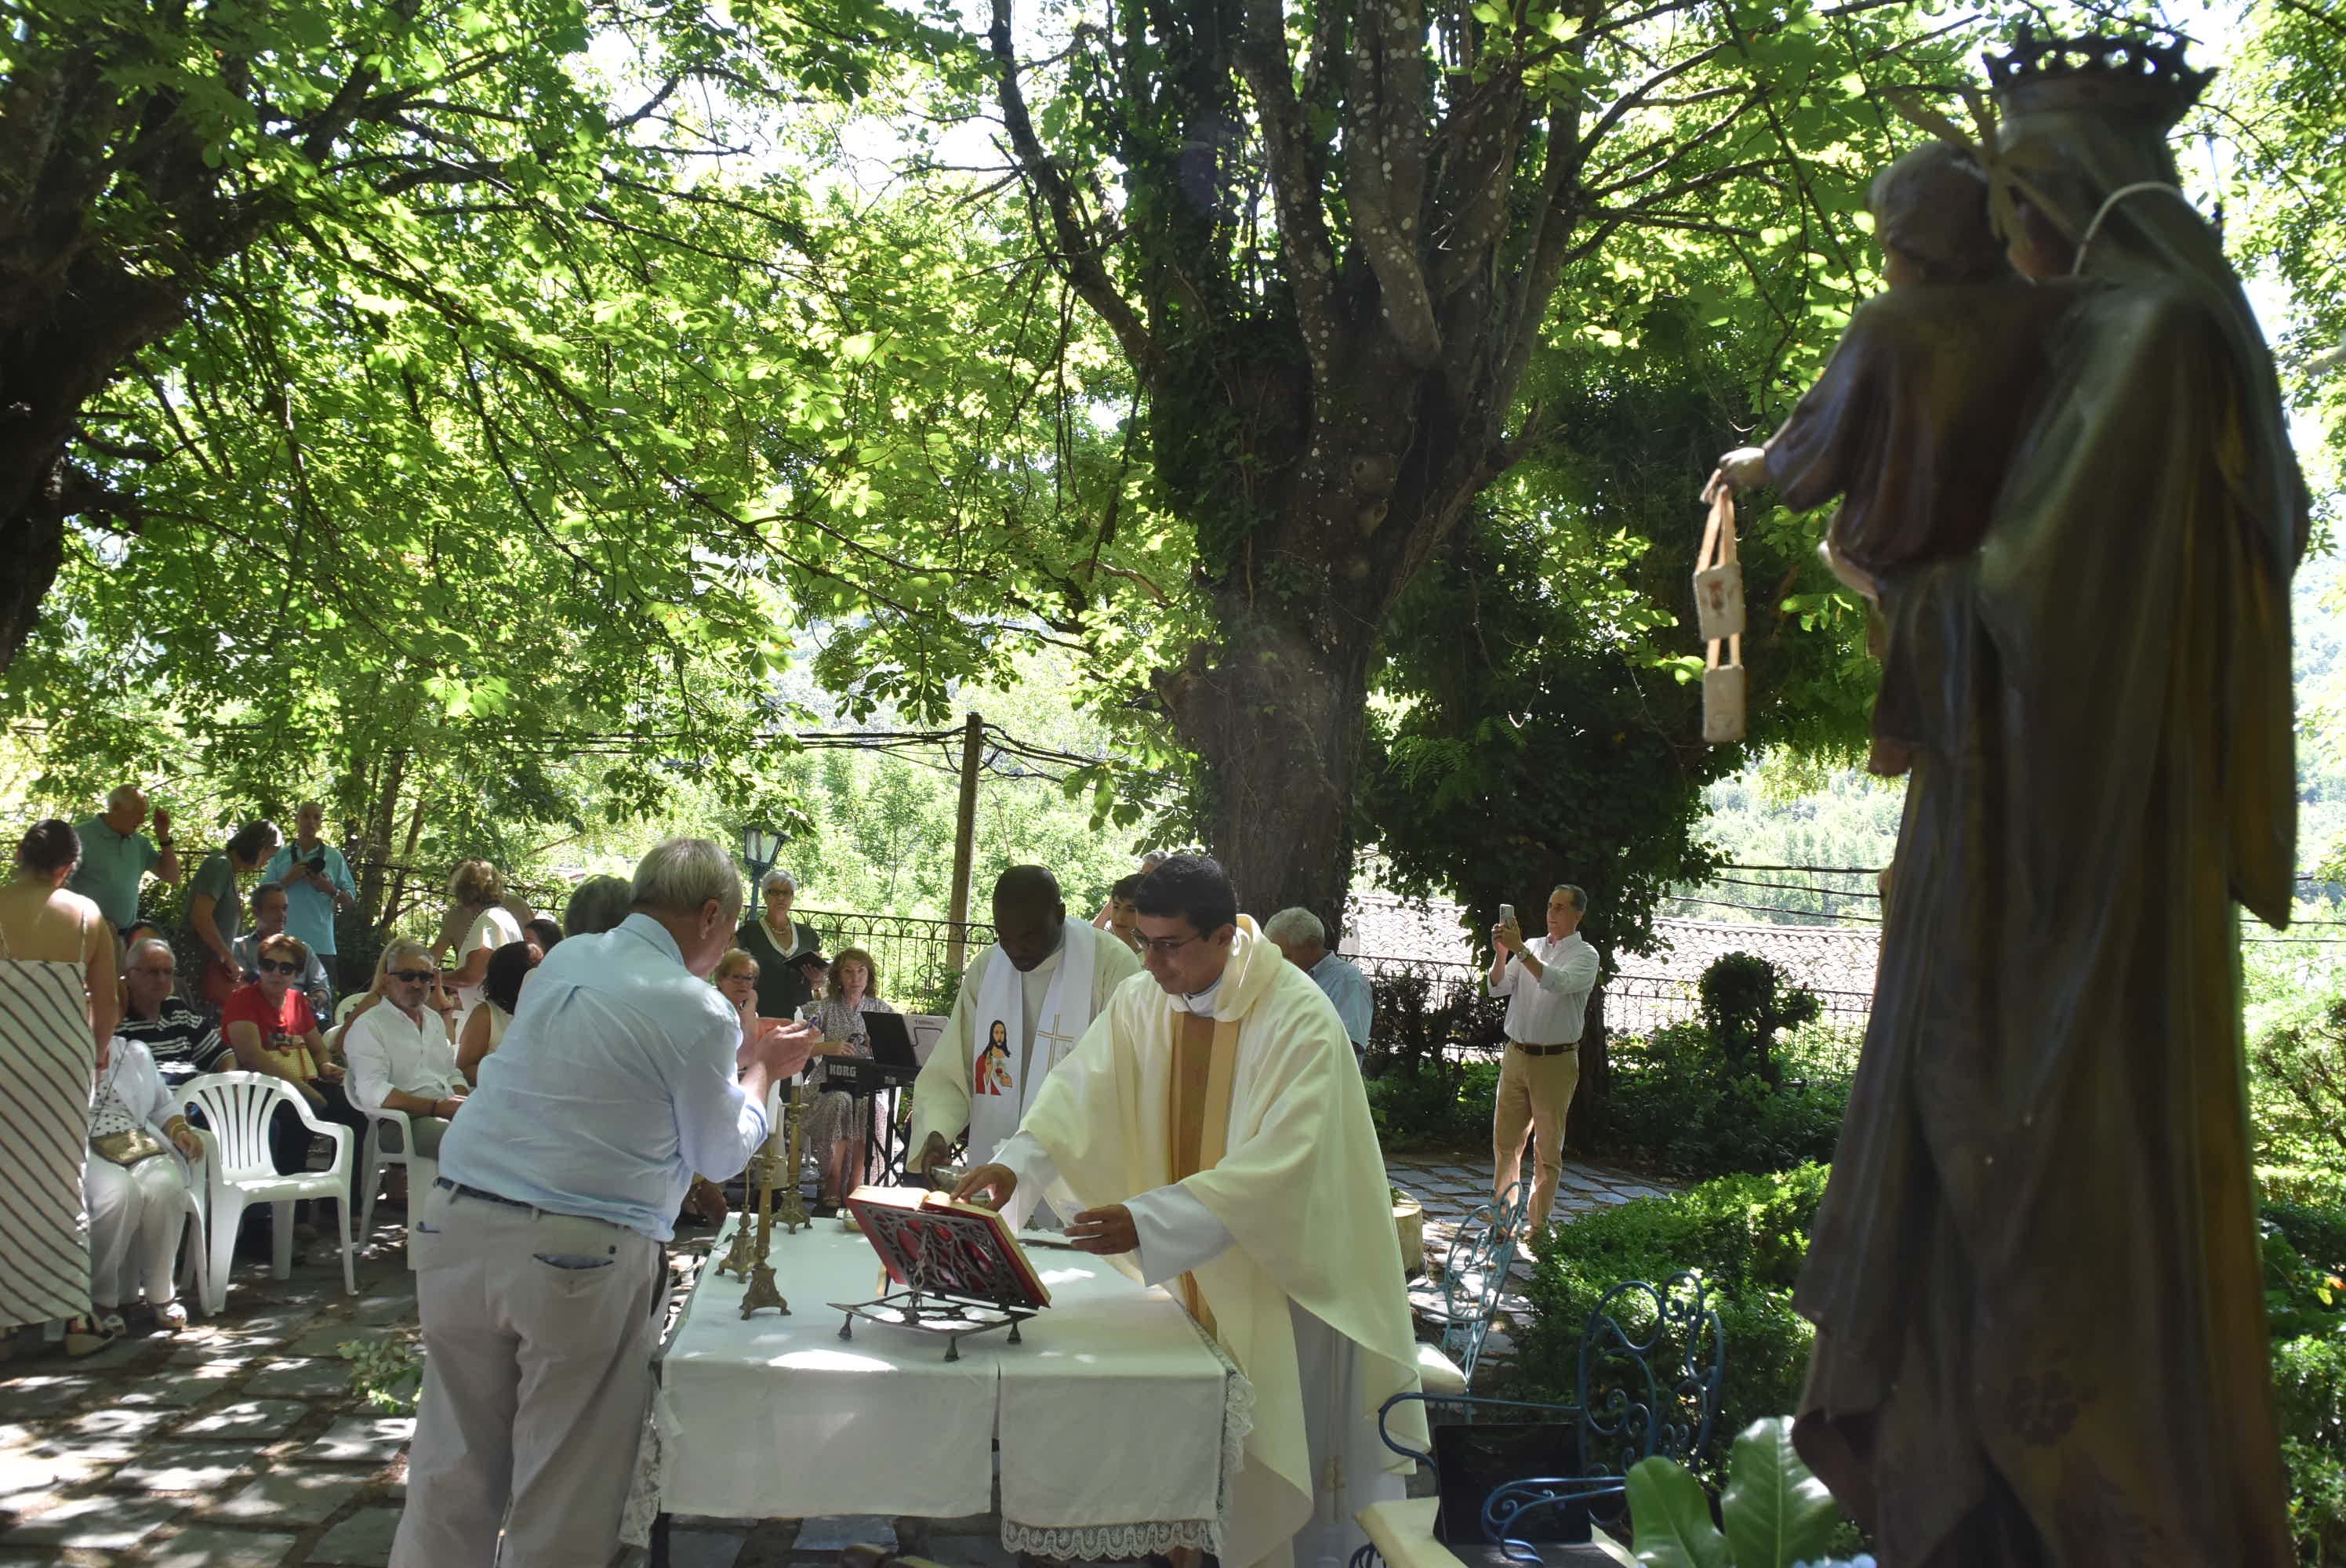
pixel 1211 1135
pixel 1022 1005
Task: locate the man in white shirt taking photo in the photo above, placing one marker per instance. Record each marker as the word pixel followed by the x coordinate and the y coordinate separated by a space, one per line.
pixel 1546 981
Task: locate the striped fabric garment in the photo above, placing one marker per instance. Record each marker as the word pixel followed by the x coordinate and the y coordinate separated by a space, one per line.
pixel 47 1071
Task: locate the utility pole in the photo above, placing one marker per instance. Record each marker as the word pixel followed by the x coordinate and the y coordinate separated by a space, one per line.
pixel 973 747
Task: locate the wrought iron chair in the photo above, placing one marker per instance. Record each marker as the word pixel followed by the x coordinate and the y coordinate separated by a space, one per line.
pixel 1628 1408
pixel 1475 1273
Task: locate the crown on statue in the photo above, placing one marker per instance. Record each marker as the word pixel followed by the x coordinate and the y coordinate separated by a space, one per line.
pixel 2130 74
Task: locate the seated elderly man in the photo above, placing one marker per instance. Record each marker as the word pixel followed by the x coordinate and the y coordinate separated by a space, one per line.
pixel 268 904
pixel 184 1042
pixel 1297 933
pixel 402 1053
pixel 132 1186
pixel 539 1263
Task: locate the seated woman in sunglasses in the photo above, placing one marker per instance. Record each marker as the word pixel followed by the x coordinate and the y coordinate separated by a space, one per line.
pixel 271 1027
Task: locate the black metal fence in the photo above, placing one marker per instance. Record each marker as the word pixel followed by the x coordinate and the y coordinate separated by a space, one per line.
pixel 912 953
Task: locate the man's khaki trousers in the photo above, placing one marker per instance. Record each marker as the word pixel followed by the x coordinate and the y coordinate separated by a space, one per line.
pixel 538 1332
pixel 1535 1092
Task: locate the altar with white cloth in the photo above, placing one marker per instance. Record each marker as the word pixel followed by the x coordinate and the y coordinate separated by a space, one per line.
pixel 1120 1423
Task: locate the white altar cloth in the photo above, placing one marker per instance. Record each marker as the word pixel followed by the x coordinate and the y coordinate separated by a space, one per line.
pixel 1120 1423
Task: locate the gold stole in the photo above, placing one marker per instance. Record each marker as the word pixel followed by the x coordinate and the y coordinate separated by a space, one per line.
pixel 1204 1055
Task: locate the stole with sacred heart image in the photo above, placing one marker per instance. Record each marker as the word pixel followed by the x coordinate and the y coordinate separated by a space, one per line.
pixel 993 1063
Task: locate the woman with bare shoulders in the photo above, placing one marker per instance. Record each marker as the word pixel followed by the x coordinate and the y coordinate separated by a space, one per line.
pixel 58 1007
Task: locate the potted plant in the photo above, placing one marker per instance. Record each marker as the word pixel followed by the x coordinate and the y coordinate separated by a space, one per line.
pixel 1776 1513
pixel 1409 1225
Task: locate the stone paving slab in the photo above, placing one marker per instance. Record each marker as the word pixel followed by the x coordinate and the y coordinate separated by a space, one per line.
pixel 300 1380
pixel 209 1546
pixel 827 1537
pixel 178 1388
pixel 362 1541
pixel 329 1341
pixel 206 1467
pixel 256 1420
pixel 290 1497
pixel 33 1396
pixel 361 1439
pixel 102 1523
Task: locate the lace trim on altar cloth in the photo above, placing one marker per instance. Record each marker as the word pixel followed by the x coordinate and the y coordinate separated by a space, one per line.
pixel 1093 1542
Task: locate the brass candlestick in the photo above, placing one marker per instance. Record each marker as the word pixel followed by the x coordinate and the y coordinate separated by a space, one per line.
pixel 737 1256
pixel 794 1212
pixel 762 1290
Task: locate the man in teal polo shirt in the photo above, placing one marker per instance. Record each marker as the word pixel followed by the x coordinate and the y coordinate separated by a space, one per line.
pixel 115 856
pixel 317 883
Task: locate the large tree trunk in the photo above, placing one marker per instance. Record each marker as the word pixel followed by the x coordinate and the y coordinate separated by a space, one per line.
pixel 56 354
pixel 1277 717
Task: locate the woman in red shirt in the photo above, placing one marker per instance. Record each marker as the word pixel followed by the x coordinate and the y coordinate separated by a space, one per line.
pixel 272 1029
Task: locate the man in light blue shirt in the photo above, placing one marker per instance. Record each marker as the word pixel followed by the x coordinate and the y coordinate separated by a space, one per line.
pixel 539 1264
pixel 317 883
pixel 1300 935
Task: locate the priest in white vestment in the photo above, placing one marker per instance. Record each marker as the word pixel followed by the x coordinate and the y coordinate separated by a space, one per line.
pixel 1022 1005
pixel 1211 1135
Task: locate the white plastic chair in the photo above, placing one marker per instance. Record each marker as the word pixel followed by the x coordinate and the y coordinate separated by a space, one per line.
pixel 421 1171
pixel 236 1107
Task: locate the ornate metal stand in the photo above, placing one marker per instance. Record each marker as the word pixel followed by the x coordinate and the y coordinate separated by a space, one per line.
pixel 921 1306
pixel 763 1291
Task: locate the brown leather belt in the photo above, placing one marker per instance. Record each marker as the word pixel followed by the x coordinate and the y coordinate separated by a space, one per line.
pixel 1542 1050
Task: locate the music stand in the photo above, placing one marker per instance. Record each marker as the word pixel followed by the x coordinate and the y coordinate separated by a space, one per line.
pixel 958 1269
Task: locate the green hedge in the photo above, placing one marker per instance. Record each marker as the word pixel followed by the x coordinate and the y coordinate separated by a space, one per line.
pixel 1435 1103
pixel 1678 1103
pixel 1748 1235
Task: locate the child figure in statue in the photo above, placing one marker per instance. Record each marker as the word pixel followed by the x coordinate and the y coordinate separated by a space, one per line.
pixel 1915 419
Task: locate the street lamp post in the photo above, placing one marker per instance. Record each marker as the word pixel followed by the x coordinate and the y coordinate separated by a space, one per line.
pixel 758 848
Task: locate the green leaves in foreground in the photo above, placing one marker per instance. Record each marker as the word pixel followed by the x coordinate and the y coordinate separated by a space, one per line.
pixel 1671 1517
pixel 1777 1513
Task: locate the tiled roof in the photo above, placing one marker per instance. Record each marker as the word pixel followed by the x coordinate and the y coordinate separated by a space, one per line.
pixel 1823 958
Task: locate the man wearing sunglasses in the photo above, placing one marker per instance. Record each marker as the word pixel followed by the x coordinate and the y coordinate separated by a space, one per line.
pixel 269 906
pixel 1214 1132
pixel 403 1054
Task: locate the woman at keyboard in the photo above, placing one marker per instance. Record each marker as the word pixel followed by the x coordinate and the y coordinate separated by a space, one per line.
pixel 835 1126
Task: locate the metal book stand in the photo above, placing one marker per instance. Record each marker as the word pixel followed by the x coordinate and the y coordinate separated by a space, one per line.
pixel 956 1278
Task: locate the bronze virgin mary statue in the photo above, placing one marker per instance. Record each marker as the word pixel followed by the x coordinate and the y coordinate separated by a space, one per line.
pixel 2034 1278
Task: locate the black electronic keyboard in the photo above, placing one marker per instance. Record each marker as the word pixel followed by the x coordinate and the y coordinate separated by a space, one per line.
pixel 862 1076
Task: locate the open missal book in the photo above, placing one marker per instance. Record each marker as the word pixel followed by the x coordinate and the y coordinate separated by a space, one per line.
pixel 934 1245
